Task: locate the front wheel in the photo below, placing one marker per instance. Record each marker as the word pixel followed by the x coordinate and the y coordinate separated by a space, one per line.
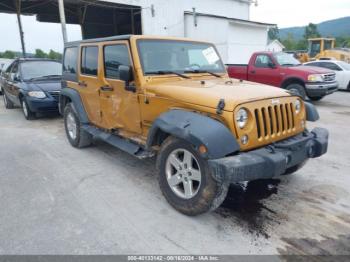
pixel 297 89
pixel 77 136
pixel 28 114
pixel 185 180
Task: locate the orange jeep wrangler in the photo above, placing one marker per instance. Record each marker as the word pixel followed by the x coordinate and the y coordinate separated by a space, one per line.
pixel 172 98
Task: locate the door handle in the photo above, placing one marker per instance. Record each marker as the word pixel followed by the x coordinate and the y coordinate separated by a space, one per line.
pixel 107 88
pixel 252 72
pixel 82 84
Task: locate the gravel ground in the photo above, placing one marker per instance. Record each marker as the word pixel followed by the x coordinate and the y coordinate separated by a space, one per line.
pixel 55 199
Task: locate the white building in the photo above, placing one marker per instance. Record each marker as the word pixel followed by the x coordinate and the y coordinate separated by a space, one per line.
pixel 275 46
pixel 224 22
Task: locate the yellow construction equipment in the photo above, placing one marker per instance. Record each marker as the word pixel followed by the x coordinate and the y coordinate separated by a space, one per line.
pixel 323 48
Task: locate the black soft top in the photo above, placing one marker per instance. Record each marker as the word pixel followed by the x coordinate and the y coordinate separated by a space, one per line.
pixel 95 40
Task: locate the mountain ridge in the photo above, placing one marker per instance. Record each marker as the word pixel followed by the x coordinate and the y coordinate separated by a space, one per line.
pixel 330 28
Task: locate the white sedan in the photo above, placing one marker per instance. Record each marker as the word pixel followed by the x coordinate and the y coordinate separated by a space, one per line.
pixel 341 69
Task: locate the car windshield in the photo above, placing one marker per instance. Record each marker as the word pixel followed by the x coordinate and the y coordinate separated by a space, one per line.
pixel 40 69
pixel 178 57
pixel 344 65
pixel 285 59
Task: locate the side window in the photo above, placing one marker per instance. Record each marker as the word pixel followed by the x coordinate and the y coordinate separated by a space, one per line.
pixel 115 56
pixel 14 71
pixel 315 64
pixel 332 66
pixel 89 60
pixel 70 60
pixel 262 61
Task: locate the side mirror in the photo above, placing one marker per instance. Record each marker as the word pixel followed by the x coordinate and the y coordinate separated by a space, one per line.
pixel 16 78
pixel 126 75
pixel 271 65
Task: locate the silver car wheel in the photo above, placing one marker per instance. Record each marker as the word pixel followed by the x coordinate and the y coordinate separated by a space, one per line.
pixel 25 109
pixel 71 126
pixel 183 173
pixel 5 99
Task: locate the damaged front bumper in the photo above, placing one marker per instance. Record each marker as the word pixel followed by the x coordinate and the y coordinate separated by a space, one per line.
pixel 273 160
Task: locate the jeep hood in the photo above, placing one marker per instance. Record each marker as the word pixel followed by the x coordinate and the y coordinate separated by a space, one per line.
pixel 209 92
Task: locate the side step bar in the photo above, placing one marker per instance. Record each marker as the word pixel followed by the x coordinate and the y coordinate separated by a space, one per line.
pixel 118 142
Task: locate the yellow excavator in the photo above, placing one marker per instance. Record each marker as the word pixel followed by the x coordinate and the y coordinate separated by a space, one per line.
pixel 323 49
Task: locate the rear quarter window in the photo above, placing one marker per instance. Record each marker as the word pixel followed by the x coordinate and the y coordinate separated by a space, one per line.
pixel 89 60
pixel 70 62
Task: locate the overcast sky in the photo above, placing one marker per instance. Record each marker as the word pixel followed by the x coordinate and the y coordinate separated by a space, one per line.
pixel 281 12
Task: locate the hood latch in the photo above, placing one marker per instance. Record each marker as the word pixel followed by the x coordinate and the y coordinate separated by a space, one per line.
pixel 220 106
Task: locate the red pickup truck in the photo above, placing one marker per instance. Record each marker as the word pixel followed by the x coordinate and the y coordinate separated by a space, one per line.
pixel 283 70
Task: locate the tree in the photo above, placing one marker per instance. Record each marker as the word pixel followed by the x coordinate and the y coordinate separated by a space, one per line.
pixel 40 53
pixel 8 54
pixel 311 31
pixel 289 42
pixel 54 55
pixel 274 33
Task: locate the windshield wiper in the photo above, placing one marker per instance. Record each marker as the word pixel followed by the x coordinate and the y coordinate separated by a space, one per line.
pixel 203 71
pixel 291 64
pixel 44 77
pixel 167 72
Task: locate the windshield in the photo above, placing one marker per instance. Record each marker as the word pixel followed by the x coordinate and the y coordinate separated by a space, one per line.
pixel 38 69
pixel 285 59
pixel 344 65
pixel 168 56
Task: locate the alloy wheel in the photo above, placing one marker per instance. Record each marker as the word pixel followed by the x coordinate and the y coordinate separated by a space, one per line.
pixel 71 126
pixel 183 173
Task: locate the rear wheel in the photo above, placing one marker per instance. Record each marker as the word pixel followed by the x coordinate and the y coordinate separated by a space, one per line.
pixel 8 104
pixel 77 136
pixel 28 114
pixel 297 89
pixel 185 180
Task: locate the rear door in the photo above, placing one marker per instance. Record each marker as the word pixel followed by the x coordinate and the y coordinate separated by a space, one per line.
pixel 12 83
pixel 260 71
pixel 120 107
pixel 90 81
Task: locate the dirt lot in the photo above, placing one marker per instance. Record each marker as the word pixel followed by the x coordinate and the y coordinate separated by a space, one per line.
pixel 55 199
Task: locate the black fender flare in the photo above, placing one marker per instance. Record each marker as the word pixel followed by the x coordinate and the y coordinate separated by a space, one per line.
pixel 75 98
pixel 197 129
pixel 311 112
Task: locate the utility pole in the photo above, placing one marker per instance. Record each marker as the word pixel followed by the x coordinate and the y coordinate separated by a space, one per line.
pixel 21 34
pixel 63 20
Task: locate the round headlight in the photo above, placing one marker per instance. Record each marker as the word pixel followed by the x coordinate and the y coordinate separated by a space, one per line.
pixel 297 106
pixel 37 94
pixel 242 117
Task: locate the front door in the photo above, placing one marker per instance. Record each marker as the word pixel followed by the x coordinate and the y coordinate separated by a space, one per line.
pixel 261 71
pixel 90 82
pixel 120 108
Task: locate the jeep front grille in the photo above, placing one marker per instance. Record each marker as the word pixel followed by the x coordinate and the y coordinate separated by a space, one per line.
pixel 274 120
pixel 329 77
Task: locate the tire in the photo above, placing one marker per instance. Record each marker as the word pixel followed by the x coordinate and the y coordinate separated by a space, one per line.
pixel 8 104
pixel 297 89
pixel 316 98
pixel 28 114
pixel 207 194
pixel 77 136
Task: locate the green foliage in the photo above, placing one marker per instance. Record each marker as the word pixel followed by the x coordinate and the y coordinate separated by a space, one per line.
pixel 343 41
pixel 54 55
pixel 8 54
pixel 274 33
pixel 40 54
pixel 311 31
